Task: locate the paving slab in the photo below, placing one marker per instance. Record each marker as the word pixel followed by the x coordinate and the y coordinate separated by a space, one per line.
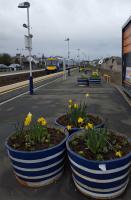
pixel 51 101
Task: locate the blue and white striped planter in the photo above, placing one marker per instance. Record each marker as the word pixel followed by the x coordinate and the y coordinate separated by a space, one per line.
pixel 38 168
pixel 72 130
pixel 94 80
pixel 82 81
pixel 99 179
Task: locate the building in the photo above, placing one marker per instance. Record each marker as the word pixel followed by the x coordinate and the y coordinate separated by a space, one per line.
pixel 112 64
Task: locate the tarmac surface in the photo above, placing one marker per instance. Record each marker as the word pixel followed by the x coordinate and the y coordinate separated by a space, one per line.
pixel 51 101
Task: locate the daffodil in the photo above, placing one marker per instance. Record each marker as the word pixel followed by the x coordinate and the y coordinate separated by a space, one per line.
pixel 80 120
pixel 90 125
pixel 42 121
pixel 29 114
pixel 70 101
pixel 75 105
pixel 28 119
pixel 119 154
pixel 68 127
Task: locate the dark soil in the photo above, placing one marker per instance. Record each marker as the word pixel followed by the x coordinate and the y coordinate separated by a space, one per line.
pixel 65 120
pixel 17 141
pixel 122 145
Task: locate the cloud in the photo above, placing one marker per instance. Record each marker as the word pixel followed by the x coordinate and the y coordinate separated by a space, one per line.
pixel 94 26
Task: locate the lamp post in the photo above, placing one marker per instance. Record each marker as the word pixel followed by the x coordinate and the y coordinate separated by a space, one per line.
pixel 68 48
pixel 78 56
pixel 84 59
pixel 68 40
pixel 29 37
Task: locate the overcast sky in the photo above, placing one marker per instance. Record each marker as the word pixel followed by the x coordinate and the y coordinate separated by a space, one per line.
pixel 93 26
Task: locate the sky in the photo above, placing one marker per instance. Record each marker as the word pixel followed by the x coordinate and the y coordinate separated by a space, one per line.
pixel 93 26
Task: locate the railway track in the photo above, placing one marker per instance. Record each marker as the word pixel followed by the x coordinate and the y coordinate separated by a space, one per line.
pixel 11 78
pixel 14 78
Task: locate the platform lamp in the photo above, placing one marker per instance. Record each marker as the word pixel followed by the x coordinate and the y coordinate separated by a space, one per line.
pixel 28 40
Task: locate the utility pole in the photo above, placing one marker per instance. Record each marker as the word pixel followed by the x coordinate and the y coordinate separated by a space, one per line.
pixel 78 56
pixel 28 40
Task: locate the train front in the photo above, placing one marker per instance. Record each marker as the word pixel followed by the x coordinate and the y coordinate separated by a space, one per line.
pixel 51 65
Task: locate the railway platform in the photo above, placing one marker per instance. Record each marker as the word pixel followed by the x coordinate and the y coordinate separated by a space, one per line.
pixel 50 100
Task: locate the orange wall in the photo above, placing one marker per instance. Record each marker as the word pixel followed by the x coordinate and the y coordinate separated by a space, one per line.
pixel 127 40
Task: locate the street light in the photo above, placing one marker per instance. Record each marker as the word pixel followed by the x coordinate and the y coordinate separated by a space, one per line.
pixel 78 56
pixel 68 40
pixel 29 38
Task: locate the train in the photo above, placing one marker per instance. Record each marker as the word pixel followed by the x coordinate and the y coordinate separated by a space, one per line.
pixel 126 57
pixel 55 64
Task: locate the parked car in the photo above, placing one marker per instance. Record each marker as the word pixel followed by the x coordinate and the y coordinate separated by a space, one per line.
pixel 15 67
pixel 4 68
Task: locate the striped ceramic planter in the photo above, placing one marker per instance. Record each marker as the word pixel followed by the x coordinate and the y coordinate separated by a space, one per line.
pixel 99 179
pixel 72 130
pixel 82 81
pixel 94 80
pixel 38 168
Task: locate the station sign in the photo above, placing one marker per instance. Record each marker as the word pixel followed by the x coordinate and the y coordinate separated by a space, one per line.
pixel 28 42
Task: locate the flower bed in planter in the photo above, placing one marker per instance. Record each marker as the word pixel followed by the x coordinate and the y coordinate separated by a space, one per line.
pixel 94 78
pixel 77 118
pixel 64 122
pixel 37 153
pixel 100 163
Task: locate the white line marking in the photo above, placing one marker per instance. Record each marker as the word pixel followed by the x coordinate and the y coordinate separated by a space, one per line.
pixel 20 95
pixel 26 82
pixel 20 72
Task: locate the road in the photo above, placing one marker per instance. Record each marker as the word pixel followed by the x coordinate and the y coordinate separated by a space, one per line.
pixel 50 101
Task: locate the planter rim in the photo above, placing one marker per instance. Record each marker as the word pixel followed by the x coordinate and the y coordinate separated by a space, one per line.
pixel 93 161
pixel 36 151
pixel 85 78
pixel 102 123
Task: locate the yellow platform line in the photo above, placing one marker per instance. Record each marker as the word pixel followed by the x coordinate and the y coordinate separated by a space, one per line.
pixel 13 87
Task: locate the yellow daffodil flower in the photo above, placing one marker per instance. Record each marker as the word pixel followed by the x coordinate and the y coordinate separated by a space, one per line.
pixel 119 154
pixel 28 119
pixel 90 125
pixel 68 127
pixel 29 114
pixel 80 120
pixel 70 101
pixel 75 105
pixel 42 121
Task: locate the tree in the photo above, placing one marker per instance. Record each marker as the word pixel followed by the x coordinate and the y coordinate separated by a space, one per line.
pixel 5 59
